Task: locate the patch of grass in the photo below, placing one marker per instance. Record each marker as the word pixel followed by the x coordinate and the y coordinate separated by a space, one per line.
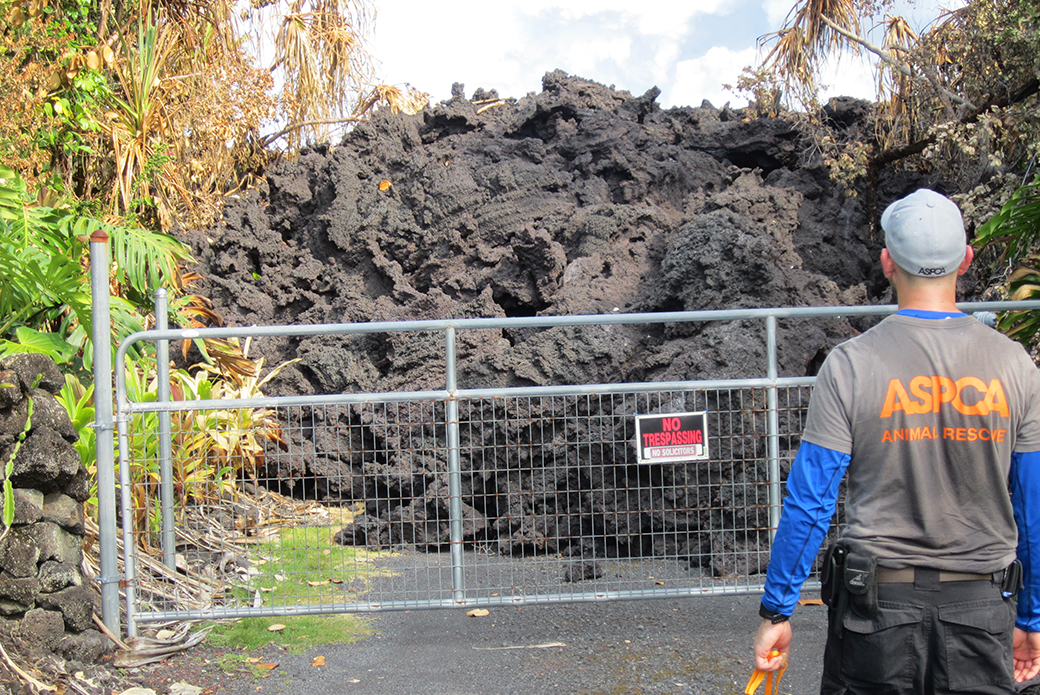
pixel 303 566
pixel 237 662
pixel 300 633
pixel 299 566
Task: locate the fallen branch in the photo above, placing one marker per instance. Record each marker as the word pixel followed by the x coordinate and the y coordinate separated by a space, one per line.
pixel 482 109
pixel 108 633
pixel 268 139
pixel 887 58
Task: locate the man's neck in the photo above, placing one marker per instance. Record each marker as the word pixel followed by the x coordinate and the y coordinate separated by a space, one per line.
pixel 931 296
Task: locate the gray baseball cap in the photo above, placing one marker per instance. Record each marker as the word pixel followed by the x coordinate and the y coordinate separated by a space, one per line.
pixel 924 234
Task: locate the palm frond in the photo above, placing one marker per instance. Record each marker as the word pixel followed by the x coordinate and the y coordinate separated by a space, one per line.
pixel 320 47
pixel 1017 223
pixel 812 31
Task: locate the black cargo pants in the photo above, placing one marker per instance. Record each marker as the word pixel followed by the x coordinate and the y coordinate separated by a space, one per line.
pixel 928 638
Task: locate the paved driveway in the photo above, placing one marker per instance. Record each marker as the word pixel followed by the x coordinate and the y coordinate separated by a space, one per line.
pixel 697 645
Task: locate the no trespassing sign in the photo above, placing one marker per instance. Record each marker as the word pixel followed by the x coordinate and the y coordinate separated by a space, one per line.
pixel 672 438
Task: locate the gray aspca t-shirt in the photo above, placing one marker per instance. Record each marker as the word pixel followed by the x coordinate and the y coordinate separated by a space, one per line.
pixel 930 411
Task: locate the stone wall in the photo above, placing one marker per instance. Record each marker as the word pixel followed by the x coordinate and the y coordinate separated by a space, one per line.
pixel 47 599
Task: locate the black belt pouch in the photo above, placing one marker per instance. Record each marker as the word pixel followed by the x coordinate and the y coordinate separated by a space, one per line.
pixel 860 578
pixel 831 579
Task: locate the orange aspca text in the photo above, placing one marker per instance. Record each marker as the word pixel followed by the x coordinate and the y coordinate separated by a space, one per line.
pixel 960 434
pixel 928 393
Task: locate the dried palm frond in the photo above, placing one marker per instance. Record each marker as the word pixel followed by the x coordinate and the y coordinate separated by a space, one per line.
pixel 204 27
pixel 410 101
pixel 895 87
pixel 812 30
pixel 319 46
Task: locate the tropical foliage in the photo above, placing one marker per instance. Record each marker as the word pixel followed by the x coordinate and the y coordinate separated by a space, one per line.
pixel 1016 228
pixel 129 118
pixel 156 109
pixel 45 292
pixel 959 98
pixel 213 448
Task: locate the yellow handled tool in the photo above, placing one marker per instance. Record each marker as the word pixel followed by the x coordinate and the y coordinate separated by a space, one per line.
pixel 772 679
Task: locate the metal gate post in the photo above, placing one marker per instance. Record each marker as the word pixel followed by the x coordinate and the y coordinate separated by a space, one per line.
pixel 168 540
pixel 126 507
pixel 451 408
pixel 773 428
pixel 101 336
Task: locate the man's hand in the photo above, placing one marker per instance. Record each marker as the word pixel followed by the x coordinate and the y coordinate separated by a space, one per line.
pixel 1026 650
pixel 778 637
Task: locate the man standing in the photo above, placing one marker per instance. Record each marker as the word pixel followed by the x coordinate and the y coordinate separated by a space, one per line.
pixel 934 416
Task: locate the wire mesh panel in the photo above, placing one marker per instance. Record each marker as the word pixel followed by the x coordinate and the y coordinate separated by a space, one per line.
pixel 349 507
pixel 268 504
pixel 556 483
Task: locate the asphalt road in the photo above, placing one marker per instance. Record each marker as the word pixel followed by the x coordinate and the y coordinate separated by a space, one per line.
pixel 697 645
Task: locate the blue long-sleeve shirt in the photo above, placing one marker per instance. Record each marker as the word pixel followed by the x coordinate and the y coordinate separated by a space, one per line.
pixel 812 496
pixel 1024 482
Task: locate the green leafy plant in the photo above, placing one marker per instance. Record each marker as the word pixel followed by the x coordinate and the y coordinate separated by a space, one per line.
pixel 231 439
pixel 143 453
pixel 43 278
pixel 70 117
pixel 29 340
pixel 1017 227
pixel 78 401
pixel 211 449
pixel 45 293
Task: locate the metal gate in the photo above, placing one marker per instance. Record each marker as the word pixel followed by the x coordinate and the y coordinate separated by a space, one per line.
pixel 457 497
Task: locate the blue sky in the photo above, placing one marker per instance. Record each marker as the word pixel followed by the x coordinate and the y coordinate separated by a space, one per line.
pixel 687 49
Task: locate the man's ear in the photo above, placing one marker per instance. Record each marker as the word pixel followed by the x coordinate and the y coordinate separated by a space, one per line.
pixel 887 264
pixel 969 255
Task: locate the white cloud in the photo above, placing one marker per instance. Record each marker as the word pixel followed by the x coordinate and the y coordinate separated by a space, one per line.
pixel 702 78
pixel 777 11
pixel 508 45
pixel 430 47
pixel 687 49
pixel 584 56
pixel 653 18
pixel 850 76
